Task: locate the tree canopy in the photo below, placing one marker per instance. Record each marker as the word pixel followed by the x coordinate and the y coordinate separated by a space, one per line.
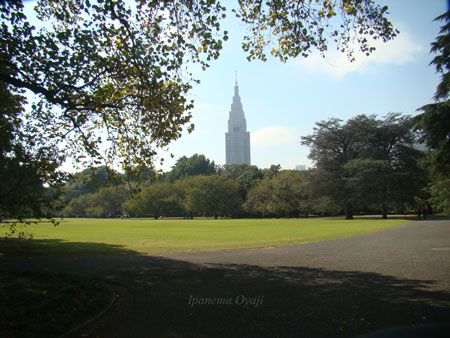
pixel 284 194
pixel 29 181
pixel 244 174
pixel 192 166
pixel 366 162
pixel 434 122
pixel 90 180
pixel 214 195
pixel 293 28
pixel 435 119
pixel 158 199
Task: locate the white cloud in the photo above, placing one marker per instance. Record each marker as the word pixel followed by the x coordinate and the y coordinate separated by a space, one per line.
pixel 403 49
pixel 273 136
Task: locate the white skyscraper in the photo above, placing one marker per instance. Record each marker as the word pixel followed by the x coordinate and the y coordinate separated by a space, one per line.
pixel 237 140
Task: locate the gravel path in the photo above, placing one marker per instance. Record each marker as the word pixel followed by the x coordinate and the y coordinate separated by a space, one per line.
pixel 338 288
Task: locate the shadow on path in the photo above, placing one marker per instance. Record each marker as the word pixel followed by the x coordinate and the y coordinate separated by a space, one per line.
pixel 179 299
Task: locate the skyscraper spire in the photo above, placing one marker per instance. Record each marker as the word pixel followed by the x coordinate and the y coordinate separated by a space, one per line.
pixel 236 88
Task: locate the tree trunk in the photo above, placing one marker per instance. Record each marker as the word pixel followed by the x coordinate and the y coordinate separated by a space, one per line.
pixel 349 212
pixel 383 205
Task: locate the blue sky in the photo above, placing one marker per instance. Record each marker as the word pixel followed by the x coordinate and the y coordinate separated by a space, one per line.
pixel 283 101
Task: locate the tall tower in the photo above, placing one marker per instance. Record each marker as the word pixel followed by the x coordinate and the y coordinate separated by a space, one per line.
pixel 237 140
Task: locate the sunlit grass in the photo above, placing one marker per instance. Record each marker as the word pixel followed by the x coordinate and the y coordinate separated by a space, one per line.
pixel 116 236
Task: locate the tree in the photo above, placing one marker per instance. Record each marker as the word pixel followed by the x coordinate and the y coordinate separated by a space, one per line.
pixel 106 202
pixel 272 171
pixel 90 180
pixel 332 145
pixel 372 184
pixel 77 206
pixel 99 67
pixel 157 199
pixel 440 195
pixel 140 174
pixel 294 28
pixel 290 193
pixel 192 166
pixel 30 185
pixel 435 119
pixel 434 122
pixel 283 195
pixel 324 192
pixel 400 177
pixel 366 162
pixel 107 80
pixel 213 195
pixel 246 175
pixel 258 201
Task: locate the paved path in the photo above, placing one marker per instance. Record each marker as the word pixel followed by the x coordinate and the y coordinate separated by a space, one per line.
pixel 338 288
pixel 418 250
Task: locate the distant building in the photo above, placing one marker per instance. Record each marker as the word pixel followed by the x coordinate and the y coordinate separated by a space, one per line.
pixel 300 167
pixel 237 140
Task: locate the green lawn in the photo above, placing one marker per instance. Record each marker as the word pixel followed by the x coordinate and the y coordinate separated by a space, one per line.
pixel 115 236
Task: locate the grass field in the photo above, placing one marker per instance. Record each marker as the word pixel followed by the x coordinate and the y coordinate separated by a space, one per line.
pixel 115 236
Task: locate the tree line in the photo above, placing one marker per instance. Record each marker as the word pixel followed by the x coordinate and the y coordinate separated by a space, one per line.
pixel 363 165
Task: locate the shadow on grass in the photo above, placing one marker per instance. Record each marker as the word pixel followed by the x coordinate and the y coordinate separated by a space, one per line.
pixel 24 247
pixel 43 305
